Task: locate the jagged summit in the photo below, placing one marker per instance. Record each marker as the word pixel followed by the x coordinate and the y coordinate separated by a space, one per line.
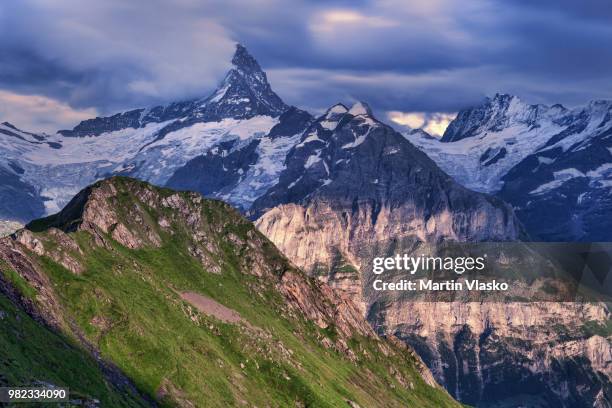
pixel 243 94
pixel 360 109
pixel 504 111
pixel 356 160
pixel 336 109
pixel 492 115
pixel 243 60
pixel 334 115
pixel 330 119
pixel 339 115
pixel 550 162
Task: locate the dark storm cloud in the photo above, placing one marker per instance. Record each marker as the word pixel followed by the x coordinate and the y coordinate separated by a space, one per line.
pixel 410 56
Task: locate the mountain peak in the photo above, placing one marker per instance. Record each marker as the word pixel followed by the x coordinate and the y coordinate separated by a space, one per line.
pixel 244 92
pixel 244 61
pixel 492 115
pixel 336 109
pixel 503 97
pixel 360 109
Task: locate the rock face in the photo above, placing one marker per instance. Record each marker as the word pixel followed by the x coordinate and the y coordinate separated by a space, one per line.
pixel 485 354
pixel 496 354
pixel 139 249
pixel 551 163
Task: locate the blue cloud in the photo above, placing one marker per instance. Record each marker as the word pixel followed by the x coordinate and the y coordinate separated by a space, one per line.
pixel 434 56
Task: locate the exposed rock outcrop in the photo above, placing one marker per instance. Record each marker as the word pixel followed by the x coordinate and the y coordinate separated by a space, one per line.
pixel 353 182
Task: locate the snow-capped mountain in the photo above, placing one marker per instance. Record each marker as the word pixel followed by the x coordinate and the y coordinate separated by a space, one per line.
pixel 553 164
pixel 243 125
pixel 353 181
pixel 243 94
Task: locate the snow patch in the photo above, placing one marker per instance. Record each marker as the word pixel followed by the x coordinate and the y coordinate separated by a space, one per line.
pixel 312 159
pixel 560 178
pixel 312 137
pixel 359 108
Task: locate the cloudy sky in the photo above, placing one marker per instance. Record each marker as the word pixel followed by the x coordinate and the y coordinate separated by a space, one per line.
pixel 414 62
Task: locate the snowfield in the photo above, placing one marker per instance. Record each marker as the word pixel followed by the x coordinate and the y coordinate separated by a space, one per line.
pixel 59 173
pixel 481 160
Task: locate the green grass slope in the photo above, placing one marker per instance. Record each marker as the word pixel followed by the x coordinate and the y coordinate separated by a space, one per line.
pixel 32 355
pixel 108 272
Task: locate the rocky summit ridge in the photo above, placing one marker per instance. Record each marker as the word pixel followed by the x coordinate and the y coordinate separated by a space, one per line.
pixel 330 192
pixel 243 93
pixel 551 163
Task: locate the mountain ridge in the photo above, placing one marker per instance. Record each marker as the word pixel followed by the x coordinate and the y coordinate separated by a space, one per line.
pixel 330 192
pixel 551 163
pixel 124 247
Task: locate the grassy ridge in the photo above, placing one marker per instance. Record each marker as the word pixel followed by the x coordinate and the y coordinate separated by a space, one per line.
pixel 127 304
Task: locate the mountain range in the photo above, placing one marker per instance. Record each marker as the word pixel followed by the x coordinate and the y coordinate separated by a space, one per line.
pixel 553 164
pixel 243 130
pixel 333 191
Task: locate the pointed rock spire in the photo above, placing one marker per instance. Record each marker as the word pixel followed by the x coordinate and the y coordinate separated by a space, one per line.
pixel 245 61
pixel 244 92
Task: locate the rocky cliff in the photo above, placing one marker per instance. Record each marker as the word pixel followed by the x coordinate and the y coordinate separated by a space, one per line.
pixel 486 353
pixel 509 354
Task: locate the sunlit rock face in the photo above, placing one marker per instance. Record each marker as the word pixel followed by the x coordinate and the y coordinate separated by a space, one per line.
pixel 352 181
pixel 485 354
